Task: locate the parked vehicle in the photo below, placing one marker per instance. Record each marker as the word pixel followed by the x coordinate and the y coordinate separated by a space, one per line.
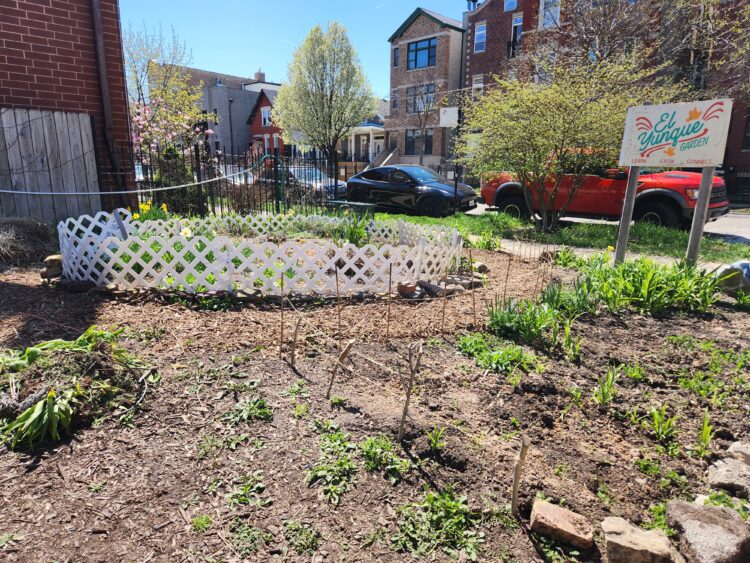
pixel 410 188
pixel 304 182
pixel 663 198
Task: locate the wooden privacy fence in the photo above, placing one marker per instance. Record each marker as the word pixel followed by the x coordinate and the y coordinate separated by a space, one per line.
pixel 46 151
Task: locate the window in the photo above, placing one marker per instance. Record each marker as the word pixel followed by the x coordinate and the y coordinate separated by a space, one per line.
pixel 414 142
pixel 394 100
pixel 420 99
pixel 422 54
pixel 265 116
pixel 480 37
pixel 550 10
pixel 477 85
pixel 398 177
pixel 396 56
pixel 275 141
pixel 746 138
pixel 510 5
pixel 216 116
pixel 516 32
pixel 374 176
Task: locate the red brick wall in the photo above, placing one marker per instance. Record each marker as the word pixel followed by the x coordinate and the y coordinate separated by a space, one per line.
pixel 738 160
pixel 257 131
pixel 48 62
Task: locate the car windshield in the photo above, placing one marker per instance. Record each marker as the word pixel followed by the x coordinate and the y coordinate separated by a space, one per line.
pixel 307 173
pixel 422 174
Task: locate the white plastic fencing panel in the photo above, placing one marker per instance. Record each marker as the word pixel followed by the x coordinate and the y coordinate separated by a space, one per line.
pixel 45 151
pixel 225 254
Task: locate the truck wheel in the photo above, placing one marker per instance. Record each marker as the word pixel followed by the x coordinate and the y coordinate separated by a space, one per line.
pixel 515 206
pixel 658 213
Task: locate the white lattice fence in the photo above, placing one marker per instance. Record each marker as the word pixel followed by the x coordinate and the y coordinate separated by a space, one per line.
pixel 196 255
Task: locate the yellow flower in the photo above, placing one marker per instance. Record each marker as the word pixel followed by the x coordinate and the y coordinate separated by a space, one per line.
pixel 610 249
pixel 136 216
pixel 187 233
pixel 164 207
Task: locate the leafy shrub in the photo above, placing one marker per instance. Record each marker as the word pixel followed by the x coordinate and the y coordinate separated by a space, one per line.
pixel 442 521
pixel 378 455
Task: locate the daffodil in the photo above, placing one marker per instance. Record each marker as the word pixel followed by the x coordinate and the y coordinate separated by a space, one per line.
pixel 187 233
pixel 163 207
pixel 610 249
pixel 136 216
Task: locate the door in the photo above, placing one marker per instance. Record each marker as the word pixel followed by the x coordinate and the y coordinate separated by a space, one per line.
pixel 403 189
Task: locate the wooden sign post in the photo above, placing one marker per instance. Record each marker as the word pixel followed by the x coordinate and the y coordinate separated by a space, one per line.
pixel 690 135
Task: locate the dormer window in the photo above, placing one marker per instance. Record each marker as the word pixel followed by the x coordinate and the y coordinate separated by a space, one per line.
pixel 265 116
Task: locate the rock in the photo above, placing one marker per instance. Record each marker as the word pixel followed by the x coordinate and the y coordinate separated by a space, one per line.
pixel 562 524
pixel 626 543
pixel 51 273
pixel 54 261
pixel 466 282
pixel 248 296
pixel 731 475
pixel 480 267
pixel 432 289
pixel 735 277
pixel 454 289
pixel 709 534
pixel 740 451
pixel 75 286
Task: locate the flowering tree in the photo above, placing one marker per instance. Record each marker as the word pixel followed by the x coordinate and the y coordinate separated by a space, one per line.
pixel 164 104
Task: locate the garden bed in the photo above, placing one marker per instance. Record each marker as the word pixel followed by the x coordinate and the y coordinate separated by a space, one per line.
pixel 229 253
pixel 205 473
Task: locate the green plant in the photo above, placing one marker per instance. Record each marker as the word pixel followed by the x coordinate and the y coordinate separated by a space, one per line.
pixel 249 491
pixel 247 539
pixel 247 411
pixel 301 410
pixel 378 455
pixel 202 523
pixel 603 494
pixel 297 390
pixel 606 391
pixel 435 439
pixel 442 521
pixel 651 467
pixel 663 427
pixel 722 498
pixel 555 552
pixel 743 300
pixel 97 487
pixel 335 469
pixel 354 231
pixel 7 540
pixel 337 402
pixel 705 435
pixel 302 538
pixel 634 372
pixel 658 519
pixel 497 356
pixel 209 446
pixel 232 442
pixel 49 419
pixel 571 345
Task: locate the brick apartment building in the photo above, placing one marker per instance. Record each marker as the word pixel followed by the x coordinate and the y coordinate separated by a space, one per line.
pixel 494 36
pixel 50 59
pixel 425 58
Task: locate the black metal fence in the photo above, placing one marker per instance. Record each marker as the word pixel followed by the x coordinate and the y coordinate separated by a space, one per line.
pixel 194 181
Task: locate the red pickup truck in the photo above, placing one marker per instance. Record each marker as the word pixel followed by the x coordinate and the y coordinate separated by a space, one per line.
pixel 664 198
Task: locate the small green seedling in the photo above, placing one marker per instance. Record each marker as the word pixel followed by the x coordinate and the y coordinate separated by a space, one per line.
pixel 202 523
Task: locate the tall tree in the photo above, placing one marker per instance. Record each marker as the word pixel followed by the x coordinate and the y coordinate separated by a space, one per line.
pixel 164 104
pixel 550 134
pixel 326 94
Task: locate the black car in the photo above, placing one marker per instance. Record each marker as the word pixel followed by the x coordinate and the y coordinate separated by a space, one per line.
pixel 411 188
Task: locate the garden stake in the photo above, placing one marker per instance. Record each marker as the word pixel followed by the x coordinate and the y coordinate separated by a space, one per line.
pixel 507 275
pixel 445 298
pixel 342 357
pixel 388 315
pixel 281 341
pixel 293 354
pixel 473 292
pixel 415 358
pixel 525 443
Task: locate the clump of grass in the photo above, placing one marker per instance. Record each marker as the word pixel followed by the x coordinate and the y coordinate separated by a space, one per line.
pixel 492 354
pixel 435 439
pixel 658 520
pixel 378 455
pixel 248 411
pixel 705 435
pixel 201 524
pixel 743 300
pixel 722 498
pixel 336 468
pixel 302 538
pixel 443 522
pixel 663 427
pixel 606 391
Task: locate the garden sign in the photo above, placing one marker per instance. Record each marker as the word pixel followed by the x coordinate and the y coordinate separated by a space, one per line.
pixel 691 135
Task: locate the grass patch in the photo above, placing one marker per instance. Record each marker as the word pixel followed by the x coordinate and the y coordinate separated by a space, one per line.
pixel 443 522
pixel 501 357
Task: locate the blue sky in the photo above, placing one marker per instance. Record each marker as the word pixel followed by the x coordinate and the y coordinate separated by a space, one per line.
pixel 239 36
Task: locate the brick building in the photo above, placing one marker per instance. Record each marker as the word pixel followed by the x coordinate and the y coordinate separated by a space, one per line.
pixel 49 61
pixel 264 136
pixel 425 58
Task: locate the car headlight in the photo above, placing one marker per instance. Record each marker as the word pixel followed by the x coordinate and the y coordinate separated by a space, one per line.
pixel 692 193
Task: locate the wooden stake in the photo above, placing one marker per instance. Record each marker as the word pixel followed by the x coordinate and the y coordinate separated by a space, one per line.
pixel 388 315
pixel 525 443
pixel 335 369
pixel 473 291
pixel 415 359
pixel 507 275
pixel 281 341
pixel 338 299
pixel 445 298
pixel 293 353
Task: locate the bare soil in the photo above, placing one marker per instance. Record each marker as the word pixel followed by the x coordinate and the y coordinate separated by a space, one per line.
pixel 118 493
